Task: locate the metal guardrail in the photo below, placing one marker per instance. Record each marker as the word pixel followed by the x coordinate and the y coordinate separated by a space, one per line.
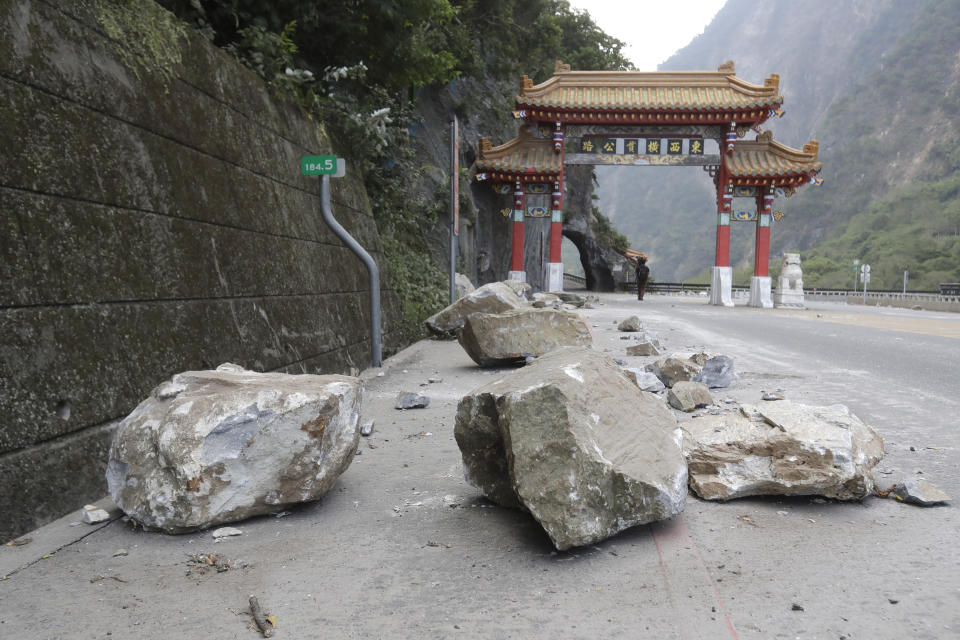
pixel 909 296
pixel 675 287
pixel 948 292
pixel 573 278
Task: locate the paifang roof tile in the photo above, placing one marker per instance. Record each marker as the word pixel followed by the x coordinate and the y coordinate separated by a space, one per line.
pixel 649 91
pixel 766 157
pixel 523 154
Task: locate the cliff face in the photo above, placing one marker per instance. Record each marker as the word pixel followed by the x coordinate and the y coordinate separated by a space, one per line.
pixel 851 74
pixel 155 221
pixel 484 109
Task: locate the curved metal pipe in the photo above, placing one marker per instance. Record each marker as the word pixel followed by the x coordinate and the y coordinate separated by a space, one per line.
pixel 376 359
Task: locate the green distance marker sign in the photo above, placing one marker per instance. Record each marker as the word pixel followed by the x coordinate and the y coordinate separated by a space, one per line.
pixel 318 165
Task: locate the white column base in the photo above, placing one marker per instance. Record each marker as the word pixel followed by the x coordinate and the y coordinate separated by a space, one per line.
pixel 721 286
pixel 760 292
pixel 554 276
pixel 517 275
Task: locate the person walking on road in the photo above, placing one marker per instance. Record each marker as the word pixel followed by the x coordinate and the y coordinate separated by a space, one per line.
pixel 643 272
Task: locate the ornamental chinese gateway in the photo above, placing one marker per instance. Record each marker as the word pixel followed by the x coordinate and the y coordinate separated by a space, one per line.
pixel 664 118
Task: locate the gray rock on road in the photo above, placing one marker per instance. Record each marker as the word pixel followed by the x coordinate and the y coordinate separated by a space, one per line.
pixel 209 447
pixel 647 345
pixel 571 439
pixel 782 448
pixel 490 298
pixel 411 400
pixel 632 323
pixel 678 367
pixel 493 339
pixel 717 372
pixel 542 300
pixel 920 492
pixel 644 379
pixel 573 299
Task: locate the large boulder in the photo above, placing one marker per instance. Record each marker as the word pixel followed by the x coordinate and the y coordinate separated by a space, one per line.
pixel 493 339
pixel 677 367
pixel 208 447
pixel 490 298
pixel 573 440
pixel 782 448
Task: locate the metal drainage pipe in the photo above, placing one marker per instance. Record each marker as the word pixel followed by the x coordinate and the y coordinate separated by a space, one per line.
pixel 376 359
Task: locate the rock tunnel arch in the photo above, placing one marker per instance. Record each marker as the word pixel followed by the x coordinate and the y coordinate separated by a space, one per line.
pixel 687 118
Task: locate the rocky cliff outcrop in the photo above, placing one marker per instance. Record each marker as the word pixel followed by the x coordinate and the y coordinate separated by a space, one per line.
pixel 484 243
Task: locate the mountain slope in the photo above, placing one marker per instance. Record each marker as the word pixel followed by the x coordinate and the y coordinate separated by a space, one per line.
pixel 861 77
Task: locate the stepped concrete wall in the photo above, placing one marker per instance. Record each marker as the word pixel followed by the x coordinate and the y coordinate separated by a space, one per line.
pixel 153 219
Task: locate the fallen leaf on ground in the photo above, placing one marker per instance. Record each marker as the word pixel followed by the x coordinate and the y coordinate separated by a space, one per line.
pixel 20 542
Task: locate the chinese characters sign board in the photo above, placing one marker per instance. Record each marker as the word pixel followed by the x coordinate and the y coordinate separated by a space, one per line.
pixel 648 146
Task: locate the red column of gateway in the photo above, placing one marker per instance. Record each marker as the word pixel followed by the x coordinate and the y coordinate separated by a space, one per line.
pixel 723 226
pixel 556 222
pixel 516 261
pixel 762 260
pixel 762 255
pixel 723 240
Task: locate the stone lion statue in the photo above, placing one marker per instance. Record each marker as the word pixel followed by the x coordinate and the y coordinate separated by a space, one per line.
pixel 791 275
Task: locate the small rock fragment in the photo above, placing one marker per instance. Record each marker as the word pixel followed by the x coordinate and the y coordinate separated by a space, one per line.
pixel 411 400
pixel 771 395
pixel 119 553
pixel 678 367
pixel 687 396
pixel 434 380
pixel 226 532
pixel 645 380
pixel 93 514
pixel 919 492
pixel 366 428
pixel 630 324
pixel 643 349
pixel 796 607
pixel 716 372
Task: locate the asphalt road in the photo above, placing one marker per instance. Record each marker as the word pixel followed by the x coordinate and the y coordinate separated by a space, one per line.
pixel 402 547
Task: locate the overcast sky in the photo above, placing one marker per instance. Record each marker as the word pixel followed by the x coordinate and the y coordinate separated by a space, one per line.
pixel 653 29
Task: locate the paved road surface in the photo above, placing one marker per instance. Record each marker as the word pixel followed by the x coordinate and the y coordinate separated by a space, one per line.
pixel 402 547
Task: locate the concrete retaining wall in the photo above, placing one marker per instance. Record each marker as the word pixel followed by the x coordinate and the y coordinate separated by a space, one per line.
pixel 926 301
pixel 151 224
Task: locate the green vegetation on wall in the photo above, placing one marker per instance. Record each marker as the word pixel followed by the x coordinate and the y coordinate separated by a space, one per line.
pixel 147 39
pixel 355 66
pixel 606 233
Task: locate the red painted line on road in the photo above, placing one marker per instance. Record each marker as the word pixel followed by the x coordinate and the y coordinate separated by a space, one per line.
pixel 677 533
